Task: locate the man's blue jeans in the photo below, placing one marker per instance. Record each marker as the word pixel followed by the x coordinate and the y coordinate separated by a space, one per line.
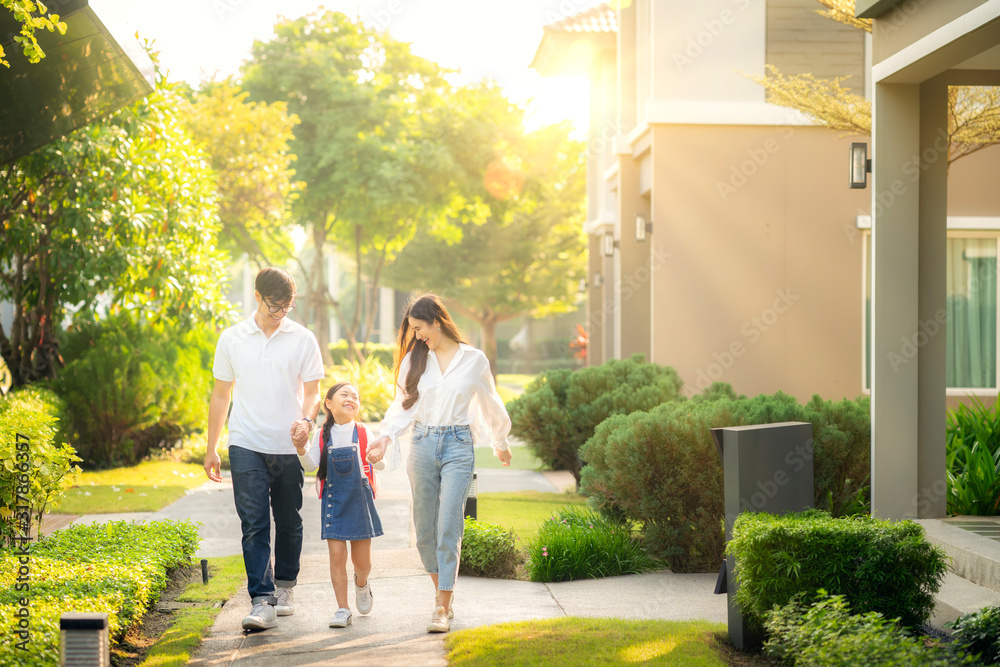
pixel 263 483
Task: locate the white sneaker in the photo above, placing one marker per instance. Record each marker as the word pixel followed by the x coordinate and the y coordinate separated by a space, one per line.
pixel 439 621
pixel 363 596
pixel 341 618
pixel 451 603
pixel 261 617
pixel 285 605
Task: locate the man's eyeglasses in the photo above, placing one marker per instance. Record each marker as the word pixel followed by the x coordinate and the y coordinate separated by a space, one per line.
pixel 278 309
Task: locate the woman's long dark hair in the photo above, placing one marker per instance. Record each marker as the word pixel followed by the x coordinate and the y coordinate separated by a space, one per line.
pixel 328 426
pixel 426 308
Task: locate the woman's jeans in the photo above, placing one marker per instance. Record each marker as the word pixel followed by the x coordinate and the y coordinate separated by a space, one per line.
pixel 440 469
pixel 258 479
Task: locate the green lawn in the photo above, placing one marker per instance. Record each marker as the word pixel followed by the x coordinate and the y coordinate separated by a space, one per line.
pixel 521 459
pixel 189 626
pixel 510 385
pixel 147 487
pixel 524 511
pixel 587 641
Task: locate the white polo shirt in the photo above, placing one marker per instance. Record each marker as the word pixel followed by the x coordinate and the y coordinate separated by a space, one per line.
pixel 267 376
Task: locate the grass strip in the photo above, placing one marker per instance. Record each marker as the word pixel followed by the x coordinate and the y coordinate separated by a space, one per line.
pixel 521 459
pixel 189 626
pixel 586 641
pixel 147 487
pixel 524 511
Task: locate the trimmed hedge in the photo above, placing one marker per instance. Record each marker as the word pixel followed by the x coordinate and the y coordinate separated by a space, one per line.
pixel 878 566
pixel 559 410
pixel 119 568
pixel 661 467
pixel 488 550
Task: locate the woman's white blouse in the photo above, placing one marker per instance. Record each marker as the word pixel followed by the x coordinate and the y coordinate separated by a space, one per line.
pixel 464 395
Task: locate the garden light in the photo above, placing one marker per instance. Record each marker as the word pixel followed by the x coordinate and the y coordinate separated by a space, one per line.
pixel 471 499
pixel 84 640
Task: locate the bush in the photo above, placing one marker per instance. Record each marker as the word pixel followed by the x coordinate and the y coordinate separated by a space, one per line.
pixel 374 380
pixel 33 467
pixel 978 634
pixel 876 565
pixel 380 352
pixel 133 387
pixel 559 410
pixel 826 633
pixel 119 568
pixel 581 544
pixel 488 550
pixel 973 458
pixel 661 467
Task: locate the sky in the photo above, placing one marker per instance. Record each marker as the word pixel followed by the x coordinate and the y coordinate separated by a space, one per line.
pixel 201 39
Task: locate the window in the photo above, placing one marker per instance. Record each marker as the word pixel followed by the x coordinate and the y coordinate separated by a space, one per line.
pixel 971 304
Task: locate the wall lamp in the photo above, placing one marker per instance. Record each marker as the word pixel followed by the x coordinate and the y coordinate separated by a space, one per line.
pixel 643 228
pixel 598 280
pixel 609 244
pixel 861 166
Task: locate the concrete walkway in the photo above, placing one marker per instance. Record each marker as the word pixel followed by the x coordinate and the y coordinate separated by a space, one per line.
pixel 394 633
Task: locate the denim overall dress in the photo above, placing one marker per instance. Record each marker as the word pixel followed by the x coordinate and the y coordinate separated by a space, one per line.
pixel 348 500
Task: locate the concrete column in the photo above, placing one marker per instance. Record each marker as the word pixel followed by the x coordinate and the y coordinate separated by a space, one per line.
pixel 895 309
pixel 633 314
pixel 596 318
pixel 626 68
pixel 931 338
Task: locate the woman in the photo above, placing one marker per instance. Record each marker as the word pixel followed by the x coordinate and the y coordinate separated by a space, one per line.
pixel 445 390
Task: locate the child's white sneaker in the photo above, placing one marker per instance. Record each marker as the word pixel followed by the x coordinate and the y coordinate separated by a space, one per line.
pixel 363 596
pixel 341 618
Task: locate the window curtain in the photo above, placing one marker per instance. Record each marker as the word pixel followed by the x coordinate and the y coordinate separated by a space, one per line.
pixel 972 312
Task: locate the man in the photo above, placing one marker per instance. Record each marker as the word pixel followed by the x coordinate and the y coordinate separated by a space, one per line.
pixel 275 367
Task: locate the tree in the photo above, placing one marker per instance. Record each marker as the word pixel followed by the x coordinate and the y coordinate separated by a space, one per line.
pixel 119 213
pixel 32 16
pixel 247 144
pixel 365 149
pixel 973 111
pixel 528 257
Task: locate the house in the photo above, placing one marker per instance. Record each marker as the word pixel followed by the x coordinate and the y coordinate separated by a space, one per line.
pixel 724 239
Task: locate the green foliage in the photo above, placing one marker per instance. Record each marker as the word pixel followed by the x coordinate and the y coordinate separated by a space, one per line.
pixel 119 568
pixel 973 459
pixel 878 566
pixel 488 550
pixel 559 410
pixel 32 15
pixel 581 544
pixel 131 387
pixel 381 351
pixel 978 633
pixel 374 381
pixel 661 467
pixel 826 633
pixel 135 228
pixel 33 465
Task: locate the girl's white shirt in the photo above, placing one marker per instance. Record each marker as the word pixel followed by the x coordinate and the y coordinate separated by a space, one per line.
pixel 464 395
pixel 340 436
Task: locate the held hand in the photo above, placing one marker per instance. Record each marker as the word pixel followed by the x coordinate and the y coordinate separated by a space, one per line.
pixel 504 457
pixel 213 466
pixel 376 450
pixel 300 434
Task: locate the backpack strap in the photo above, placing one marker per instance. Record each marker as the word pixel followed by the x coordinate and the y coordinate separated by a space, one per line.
pixel 361 437
pixel 322 454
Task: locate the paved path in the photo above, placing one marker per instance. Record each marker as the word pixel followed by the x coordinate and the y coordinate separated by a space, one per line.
pixel 394 633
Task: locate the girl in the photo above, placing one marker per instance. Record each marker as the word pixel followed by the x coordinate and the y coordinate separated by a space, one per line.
pixel 445 391
pixel 346 481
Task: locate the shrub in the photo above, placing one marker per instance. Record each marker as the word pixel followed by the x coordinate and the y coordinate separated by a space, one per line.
pixel 978 633
pixel 134 387
pixel 559 410
pixel 876 565
pixel 488 550
pixel 33 467
pixel 374 381
pixel 380 352
pixel 581 544
pixel 973 457
pixel 826 633
pixel 661 467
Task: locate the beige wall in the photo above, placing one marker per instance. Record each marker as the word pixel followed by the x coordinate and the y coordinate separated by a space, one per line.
pixel 762 288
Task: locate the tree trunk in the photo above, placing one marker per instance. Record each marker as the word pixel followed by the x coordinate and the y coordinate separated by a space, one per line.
pixel 488 328
pixel 319 291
